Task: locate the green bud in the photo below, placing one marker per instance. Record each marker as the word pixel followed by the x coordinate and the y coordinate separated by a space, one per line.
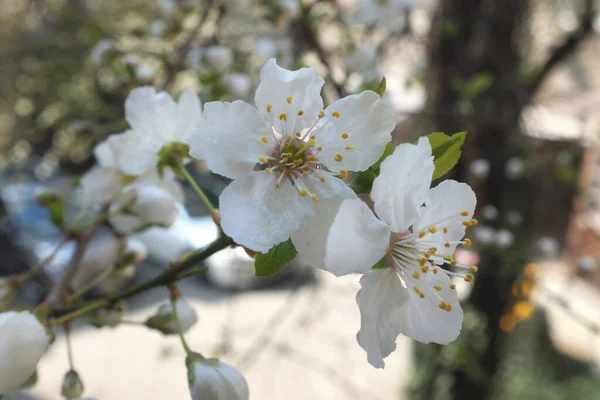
pixel 172 156
pixel 72 386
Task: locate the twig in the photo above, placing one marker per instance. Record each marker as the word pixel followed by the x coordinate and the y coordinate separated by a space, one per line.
pixel 169 276
pixel 567 48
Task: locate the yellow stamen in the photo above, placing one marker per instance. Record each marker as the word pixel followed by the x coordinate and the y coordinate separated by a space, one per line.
pixel 300 112
pixel 416 274
pixel 319 148
pixel 262 159
pixel 321 114
pixel 453 263
pixel 446 244
pixel 289 99
pixel 269 171
pixel 314 197
pixel 349 147
pixel 425 269
pixel 322 180
pixel 338 157
pixel 303 192
pixel 343 174
pixel 452 286
pixel 269 107
pixel 265 139
pixel 432 229
pixel 283 117
pixel 474 268
pixel 464 213
pixel 435 270
pixel 335 114
pixel 467 242
pixel 345 135
pixel 474 221
pixel 432 250
pixel 469 278
pixel 422 234
pixel 445 230
pixel 438 288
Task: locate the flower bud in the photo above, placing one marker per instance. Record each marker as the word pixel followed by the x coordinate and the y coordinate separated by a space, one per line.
pixel 107 316
pixel 238 84
pixel 219 58
pixel 23 341
pixel 164 320
pixel 211 379
pixel 72 386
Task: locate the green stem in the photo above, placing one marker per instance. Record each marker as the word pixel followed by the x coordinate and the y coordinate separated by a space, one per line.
pixel 69 347
pixel 178 327
pixel 171 275
pixel 197 189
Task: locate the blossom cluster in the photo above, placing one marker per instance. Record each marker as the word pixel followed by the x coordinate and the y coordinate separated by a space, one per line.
pixel 289 158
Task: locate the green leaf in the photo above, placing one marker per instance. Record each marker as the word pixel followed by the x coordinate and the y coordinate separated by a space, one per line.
pixel 381 87
pixel 278 257
pixel 364 180
pixel 446 151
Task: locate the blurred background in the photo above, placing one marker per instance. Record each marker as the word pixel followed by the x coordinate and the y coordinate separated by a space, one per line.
pixel 520 76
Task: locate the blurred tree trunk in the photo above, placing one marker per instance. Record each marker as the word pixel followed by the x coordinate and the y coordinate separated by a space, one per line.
pixel 477 41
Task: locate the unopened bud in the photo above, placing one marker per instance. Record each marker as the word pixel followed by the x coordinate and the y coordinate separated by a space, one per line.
pixel 164 320
pixel 111 316
pixel 72 386
pixel 211 379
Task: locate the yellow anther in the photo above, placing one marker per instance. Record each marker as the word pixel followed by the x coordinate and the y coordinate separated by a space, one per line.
pixel 269 171
pixel 422 234
pixel 300 112
pixel 322 180
pixel 453 263
pixel 444 305
pixel 343 174
pixel 345 135
pixel 432 229
pixel 433 250
pixel 427 255
pixel 467 223
pixel 338 157
pixel 416 275
pixel 303 192
pixel 438 288
pixel 321 114
pixel 284 159
pixel 417 289
pixel 335 114
pixel 474 221
pixel 277 185
pixel 464 213
pixel 445 230
pixel 446 244
pixel 312 158
pixel 422 295
pixel 312 142
pixel 469 278
pixel 304 173
pixel 283 117
pixel 431 262
pixel 314 197
pixel 262 159
pixel 349 147
pixel 474 268
pixel 448 307
pixel 467 242
pixel 269 107
pixel 289 99
pixel 298 161
pixel 421 261
pixel 452 286
pixel 435 270
pixel 298 134
pixel 265 139
pixel 319 148
pixel 425 269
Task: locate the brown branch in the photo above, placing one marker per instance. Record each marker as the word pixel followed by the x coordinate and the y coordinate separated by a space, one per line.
pixel 567 48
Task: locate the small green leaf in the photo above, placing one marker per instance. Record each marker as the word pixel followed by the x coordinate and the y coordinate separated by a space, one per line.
pixel 446 151
pixel 381 87
pixel 278 257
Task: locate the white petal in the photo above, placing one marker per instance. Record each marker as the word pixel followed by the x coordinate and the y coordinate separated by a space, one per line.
pixel 155 205
pixel 99 185
pixel 258 215
pixel 229 138
pixel 403 184
pixel 444 204
pixel 130 152
pixel 187 315
pixel 380 300
pixel 212 380
pixel 422 319
pixel 366 121
pixel 23 341
pixel 345 238
pixel 150 113
pixel 189 112
pixel 301 87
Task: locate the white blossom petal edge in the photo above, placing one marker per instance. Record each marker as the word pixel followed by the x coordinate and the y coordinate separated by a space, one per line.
pixel 23 341
pixel 287 153
pixel 413 295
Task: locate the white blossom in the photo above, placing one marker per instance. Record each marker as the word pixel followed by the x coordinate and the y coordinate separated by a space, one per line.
pixel 418 230
pixel 23 341
pixel 219 58
pixel 164 320
pixel 480 168
pixel 237 83
pixel 212 379
pixel 287 155
pixel 388 15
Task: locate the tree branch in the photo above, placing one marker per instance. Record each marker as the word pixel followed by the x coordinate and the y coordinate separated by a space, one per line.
pixel 567 48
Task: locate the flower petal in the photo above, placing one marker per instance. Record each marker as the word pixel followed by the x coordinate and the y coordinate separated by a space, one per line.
pixel 99 185
pixel 295 94
pixel 422 318
pixel 258 215
pixel 403 184
pixel 357 127
pixel 230 138
pixel 189 112
pixel 128 152
pixel 442 208
pixel 345 238
pixel 150 113
pixel 380 300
